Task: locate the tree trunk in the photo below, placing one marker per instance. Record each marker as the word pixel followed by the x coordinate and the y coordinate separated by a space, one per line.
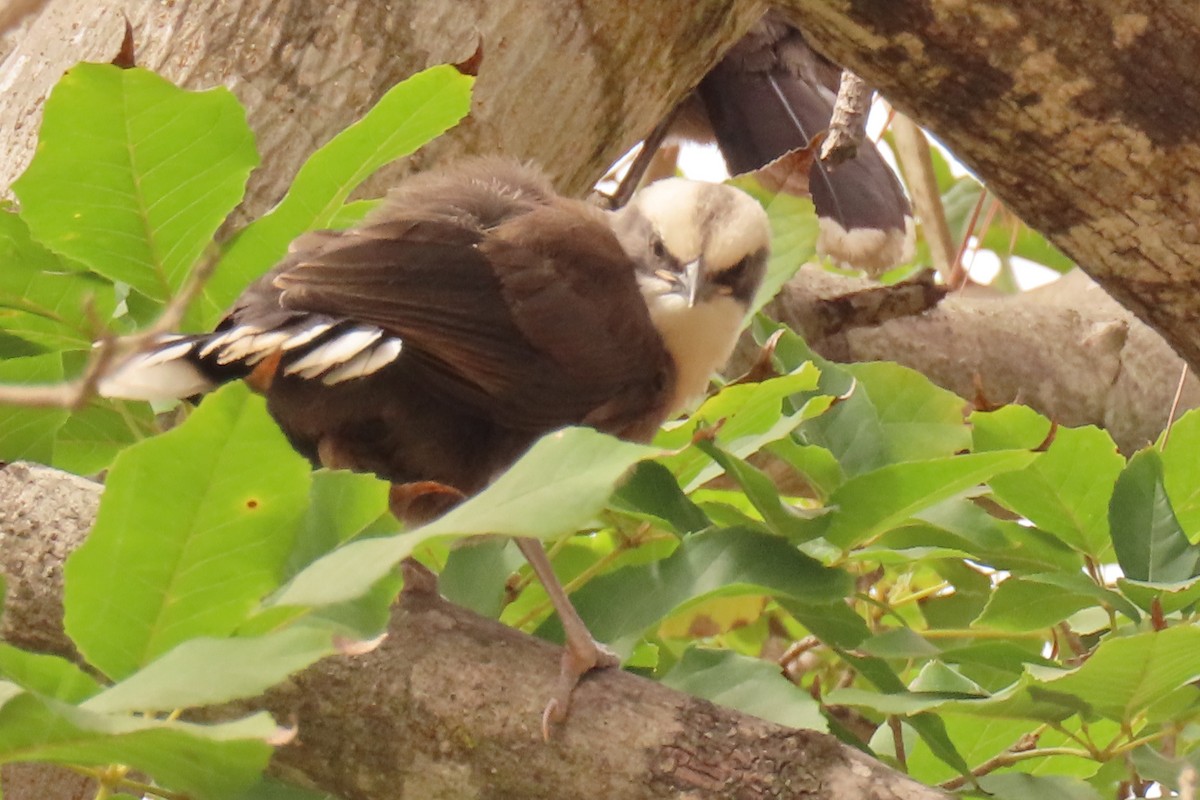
pixel 568 85
pixel 1083 118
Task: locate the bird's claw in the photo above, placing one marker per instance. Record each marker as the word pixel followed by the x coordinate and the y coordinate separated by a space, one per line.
pixel 576 662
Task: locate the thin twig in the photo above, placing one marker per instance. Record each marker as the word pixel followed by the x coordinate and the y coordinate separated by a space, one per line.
pixel 897 730
pixel 916 159
pixel 958 270
pixel 633 176
pixel 848 125
pixel 1183 373
pixel 1007 759
pixel 111 351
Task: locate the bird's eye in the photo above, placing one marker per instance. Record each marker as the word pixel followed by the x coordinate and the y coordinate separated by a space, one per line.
pixel 659 249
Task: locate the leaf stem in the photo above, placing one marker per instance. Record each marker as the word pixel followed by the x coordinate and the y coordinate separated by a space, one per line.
pixel 979 633
pixel 1010 757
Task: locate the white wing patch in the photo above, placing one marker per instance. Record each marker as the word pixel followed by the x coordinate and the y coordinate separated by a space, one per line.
pixel 302 335
pixel 370 360
pixel 354 353
pixel 337 351
pixel 177 368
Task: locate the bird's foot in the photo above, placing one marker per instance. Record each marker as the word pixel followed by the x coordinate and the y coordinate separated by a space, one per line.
pixel 578 659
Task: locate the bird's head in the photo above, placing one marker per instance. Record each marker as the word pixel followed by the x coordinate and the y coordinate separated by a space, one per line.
pixel 701 252
pixel 695 242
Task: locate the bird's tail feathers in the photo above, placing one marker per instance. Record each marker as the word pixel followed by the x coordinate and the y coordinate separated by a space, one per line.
pixel 168 371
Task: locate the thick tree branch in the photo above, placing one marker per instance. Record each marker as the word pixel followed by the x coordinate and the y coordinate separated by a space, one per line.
pixel 569 86
pixel 1084 120
pixel 449 705
pixel 1067 349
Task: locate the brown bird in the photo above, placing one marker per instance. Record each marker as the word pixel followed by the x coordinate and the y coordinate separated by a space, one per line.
pixel 473 312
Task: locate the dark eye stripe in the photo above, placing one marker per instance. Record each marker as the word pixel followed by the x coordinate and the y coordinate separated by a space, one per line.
pixel 730 276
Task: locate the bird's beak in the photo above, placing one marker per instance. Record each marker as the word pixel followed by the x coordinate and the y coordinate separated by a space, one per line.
pixel 689 281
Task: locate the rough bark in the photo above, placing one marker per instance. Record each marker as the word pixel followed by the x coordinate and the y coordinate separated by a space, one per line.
pixel 1082 118
pixel 449 706
pixel 568 85
pixel 1067 349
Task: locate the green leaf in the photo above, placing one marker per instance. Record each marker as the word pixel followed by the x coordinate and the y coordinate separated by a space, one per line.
pixel 1125 676
pixel 1020 786
pixel 899 643
pixel 83 442
pixel 719 562
pixel 1038 601
pixel 1181 472
pixel 760 490
pixel 1155 766
pixel 192 531
pixel 920 419
pixel 203 761
pixel 871 504
pixel 1005 235
pixel 341 506
pixel 133 175
pixel 1120 680
pixel 894 414
pixel 814 463
pixel 745 417
pixel 841 629
pixel 52 676
pixel 794 232
pixel 476 575
pixel 981 739
pixel 561 483
pixel 1146 536
pixel 903 703
pixel 995 664
pixel 653 493
pixel 1171 597
pixel 1057 492
pixel 1003 544
pixel 90 438
pixel 408 116
pixel 206 671
pixel 273 789
pixel 1021 605
pixel 1010 427
pixel 750 685
pixel 45 300
pixel 28 433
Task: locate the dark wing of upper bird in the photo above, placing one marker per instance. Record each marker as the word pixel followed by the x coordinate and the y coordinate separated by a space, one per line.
pixel 770 95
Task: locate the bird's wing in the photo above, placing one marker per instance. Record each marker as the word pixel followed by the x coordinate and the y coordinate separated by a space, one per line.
pixel 498 320
pixel 770 96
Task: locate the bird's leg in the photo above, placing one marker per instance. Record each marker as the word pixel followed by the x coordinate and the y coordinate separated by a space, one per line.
pixel 421 501
pixel 582 654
